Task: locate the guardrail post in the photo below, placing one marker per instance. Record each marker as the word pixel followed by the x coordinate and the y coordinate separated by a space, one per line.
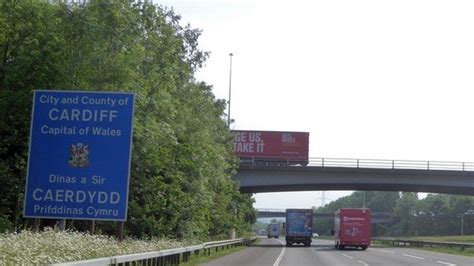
pixel 322 162
pixel 357 163
pixel 428 164
pixel 393 164
pixel 463 166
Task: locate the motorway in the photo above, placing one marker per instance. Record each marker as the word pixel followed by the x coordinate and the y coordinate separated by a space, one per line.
pixel 322 252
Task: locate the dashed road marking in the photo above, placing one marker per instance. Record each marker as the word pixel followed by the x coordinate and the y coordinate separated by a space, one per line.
pixel 277 262
pixel 347 256
pixel 363 263
pixel 323 248
pixel 446 263
pixel 387 251
pixel 411 256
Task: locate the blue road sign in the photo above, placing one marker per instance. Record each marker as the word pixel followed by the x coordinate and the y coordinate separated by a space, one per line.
pixel 79 160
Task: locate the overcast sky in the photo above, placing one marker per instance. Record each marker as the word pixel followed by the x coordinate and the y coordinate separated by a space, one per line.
pixel 368 79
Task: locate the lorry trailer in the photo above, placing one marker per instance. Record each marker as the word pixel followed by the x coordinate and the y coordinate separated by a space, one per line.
pixel 271 147
pixel 352 227
pixel 299 226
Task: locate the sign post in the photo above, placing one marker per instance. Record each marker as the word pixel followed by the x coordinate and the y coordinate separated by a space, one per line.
pixel 79 160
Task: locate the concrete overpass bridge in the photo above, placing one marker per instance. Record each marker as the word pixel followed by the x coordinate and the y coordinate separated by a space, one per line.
pixel 377 217
pixel 358 174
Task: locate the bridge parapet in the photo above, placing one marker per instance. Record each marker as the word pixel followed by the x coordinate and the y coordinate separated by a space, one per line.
pixel 370 163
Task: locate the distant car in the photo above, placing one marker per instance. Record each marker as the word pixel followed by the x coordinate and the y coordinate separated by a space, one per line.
pixel 315 235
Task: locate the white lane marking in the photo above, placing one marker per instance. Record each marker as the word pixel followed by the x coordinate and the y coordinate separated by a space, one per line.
pixel 323 248
pixel 387 251
pixel 277 262
pixel 347 256
pixel 446 263
pixel 363 263
pixel 411 256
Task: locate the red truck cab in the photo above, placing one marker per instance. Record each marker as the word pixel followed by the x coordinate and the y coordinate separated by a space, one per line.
pixel 352 227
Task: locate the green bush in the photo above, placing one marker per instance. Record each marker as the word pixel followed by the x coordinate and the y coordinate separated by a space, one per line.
pixel 5 224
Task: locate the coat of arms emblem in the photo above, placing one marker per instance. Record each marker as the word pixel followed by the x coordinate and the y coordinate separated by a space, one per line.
pixel 79 155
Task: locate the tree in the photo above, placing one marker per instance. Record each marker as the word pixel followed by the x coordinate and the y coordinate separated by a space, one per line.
pixel 404 214
pixel 28 60
pixel 182 157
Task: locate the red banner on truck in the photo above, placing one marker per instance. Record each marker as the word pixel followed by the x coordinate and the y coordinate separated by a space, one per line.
pixel 271 147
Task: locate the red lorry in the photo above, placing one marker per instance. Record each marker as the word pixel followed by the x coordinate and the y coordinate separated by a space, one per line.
pixel 271 147
pixel 352 228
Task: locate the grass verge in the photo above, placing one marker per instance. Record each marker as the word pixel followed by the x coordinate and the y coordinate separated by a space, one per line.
pixel 197 260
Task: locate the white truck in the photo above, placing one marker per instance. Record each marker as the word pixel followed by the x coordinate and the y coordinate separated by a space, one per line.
pixel 273 230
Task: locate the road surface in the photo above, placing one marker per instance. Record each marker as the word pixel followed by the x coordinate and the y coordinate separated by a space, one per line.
pixel 322 252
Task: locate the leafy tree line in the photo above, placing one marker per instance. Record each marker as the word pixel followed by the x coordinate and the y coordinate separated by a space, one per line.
pixel 182 156
pixel 436 214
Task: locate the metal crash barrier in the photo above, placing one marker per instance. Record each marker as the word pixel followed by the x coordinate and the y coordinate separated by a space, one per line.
pixel 164 257
pixel 420 243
